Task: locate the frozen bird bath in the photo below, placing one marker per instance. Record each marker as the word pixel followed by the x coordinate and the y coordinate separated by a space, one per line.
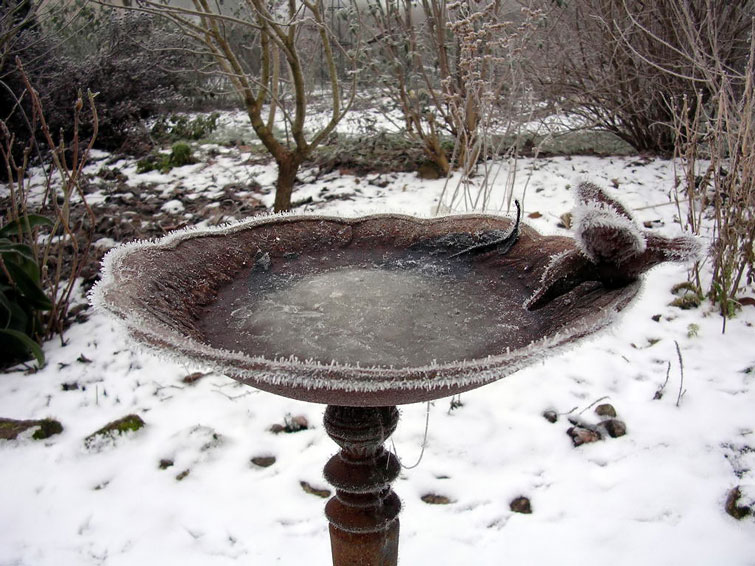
pixel 364 314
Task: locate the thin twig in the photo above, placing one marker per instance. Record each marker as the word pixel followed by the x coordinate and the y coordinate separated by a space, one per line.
pixel 682 391
pixel 424 440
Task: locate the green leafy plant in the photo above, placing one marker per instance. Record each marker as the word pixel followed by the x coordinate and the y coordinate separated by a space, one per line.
pixel 180 154
pixel 21 295
pixel 181 127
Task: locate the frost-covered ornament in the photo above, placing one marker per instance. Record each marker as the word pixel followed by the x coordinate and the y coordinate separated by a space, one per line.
pixel 611 248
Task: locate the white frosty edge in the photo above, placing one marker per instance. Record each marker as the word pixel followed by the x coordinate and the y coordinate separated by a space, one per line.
pixel 693 250
pixel 597 215
pixel 313 375
pixel 115 255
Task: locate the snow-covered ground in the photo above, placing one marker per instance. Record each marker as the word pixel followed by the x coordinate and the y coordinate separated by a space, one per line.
pixel 654 496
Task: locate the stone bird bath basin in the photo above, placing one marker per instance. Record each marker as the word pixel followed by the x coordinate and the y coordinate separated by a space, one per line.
pixel 364 314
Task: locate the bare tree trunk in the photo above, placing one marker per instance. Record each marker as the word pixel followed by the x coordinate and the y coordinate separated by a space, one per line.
pixel 284 185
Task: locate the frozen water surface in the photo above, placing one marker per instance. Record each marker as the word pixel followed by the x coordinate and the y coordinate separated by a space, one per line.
pixel 384 311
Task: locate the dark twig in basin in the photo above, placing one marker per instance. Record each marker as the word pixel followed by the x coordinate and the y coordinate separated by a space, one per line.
pixel 501 245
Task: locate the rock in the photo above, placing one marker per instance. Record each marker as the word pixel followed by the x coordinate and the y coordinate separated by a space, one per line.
pixel 263 461
pixel 429 171
pixel 550 416
pixel 47 428
pixel 319 492
pixel 615 428
pixel 733 507
pixel 581 435
pixel 566 220
pixel 605 410
pixel 11 428
pixel 192 378
pixel 291 424
pixel 165 463
pixel 262 261
pixel 299 422
pixel 435 499
pixel 112 430
pixel 521 505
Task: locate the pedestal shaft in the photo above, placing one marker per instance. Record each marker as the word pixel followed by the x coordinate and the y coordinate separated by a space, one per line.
pixel 363 515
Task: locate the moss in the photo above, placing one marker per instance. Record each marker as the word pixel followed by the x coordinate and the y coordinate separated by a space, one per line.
pixel 180 154
pixel 47 428
pixel 10 428
pixel 685 286
pixel 129 423
pixel 153 162
pixel 687 301
pixel 688 296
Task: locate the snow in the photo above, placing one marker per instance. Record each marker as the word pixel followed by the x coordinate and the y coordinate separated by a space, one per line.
pixel 655 496
pixel 174 206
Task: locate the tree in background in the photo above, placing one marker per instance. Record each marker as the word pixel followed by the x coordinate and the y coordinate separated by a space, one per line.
pixel 267 71
pixel 621 64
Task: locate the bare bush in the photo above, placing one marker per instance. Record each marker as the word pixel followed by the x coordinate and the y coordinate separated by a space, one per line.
pixel 492 108
pixel 715 158
pixel 453 69
pixel 52 229
pixel 618 64
pixel 127 63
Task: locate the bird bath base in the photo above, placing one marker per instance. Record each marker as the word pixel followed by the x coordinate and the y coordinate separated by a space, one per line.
pixel 363 514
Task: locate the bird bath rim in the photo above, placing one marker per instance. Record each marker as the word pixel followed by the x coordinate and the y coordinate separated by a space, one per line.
pixel 119 295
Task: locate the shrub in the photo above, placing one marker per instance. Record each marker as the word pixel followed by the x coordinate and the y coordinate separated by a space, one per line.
pixel 22 298
pixel 131 63
pixel 621 64
pixel 180 154
pixel 43 246
pixel 181 127
pixel 716 166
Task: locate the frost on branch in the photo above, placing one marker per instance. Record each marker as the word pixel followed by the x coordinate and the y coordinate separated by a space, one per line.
pixel 610 248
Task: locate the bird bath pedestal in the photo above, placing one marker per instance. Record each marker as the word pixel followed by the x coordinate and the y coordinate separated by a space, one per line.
pixel 364 314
